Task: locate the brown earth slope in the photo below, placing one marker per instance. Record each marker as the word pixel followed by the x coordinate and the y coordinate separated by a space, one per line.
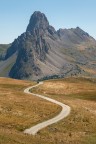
pixel 80 126
pixel 19 111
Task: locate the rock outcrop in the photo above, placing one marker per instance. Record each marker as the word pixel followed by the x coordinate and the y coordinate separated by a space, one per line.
pixel 44 52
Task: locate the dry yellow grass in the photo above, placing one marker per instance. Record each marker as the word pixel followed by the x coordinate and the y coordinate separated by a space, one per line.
pixel 19 111
pixel 80 95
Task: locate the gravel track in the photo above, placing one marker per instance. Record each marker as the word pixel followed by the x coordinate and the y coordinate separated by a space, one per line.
pixel 64 112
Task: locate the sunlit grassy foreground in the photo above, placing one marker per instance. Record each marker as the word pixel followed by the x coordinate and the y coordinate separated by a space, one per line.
pixel 80 95
pixel 19 111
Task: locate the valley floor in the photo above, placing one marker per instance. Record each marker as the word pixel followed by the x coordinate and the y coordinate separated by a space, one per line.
pixel 19 111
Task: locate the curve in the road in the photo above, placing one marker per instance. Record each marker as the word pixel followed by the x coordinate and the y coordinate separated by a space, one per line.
pixel 64 112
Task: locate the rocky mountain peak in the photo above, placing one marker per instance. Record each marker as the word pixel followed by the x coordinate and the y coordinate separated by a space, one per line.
pixel 81 32
pixel 38 21
pixel 43 52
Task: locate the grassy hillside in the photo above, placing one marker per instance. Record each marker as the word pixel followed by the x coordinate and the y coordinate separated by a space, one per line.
pixel 3 49
pixel 80 95
pixel 19 111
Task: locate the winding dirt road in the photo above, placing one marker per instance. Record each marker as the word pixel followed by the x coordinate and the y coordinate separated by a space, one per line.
pixel 64 113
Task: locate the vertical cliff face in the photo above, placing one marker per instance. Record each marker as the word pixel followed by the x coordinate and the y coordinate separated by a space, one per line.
pixel 31 46
pixel 44 52
pixel 38 21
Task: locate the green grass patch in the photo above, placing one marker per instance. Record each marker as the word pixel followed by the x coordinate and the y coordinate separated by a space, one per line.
pixel 90 139
pixel 84 96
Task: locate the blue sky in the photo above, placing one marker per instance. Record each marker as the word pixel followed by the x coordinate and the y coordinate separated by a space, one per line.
pixel 15 15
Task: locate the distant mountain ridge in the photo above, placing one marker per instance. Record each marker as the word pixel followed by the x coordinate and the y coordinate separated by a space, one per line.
pixel 42 52
pixel 3 49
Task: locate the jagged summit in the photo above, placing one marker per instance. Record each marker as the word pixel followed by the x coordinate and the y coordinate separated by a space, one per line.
pixel 38 20
pixel 43 52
